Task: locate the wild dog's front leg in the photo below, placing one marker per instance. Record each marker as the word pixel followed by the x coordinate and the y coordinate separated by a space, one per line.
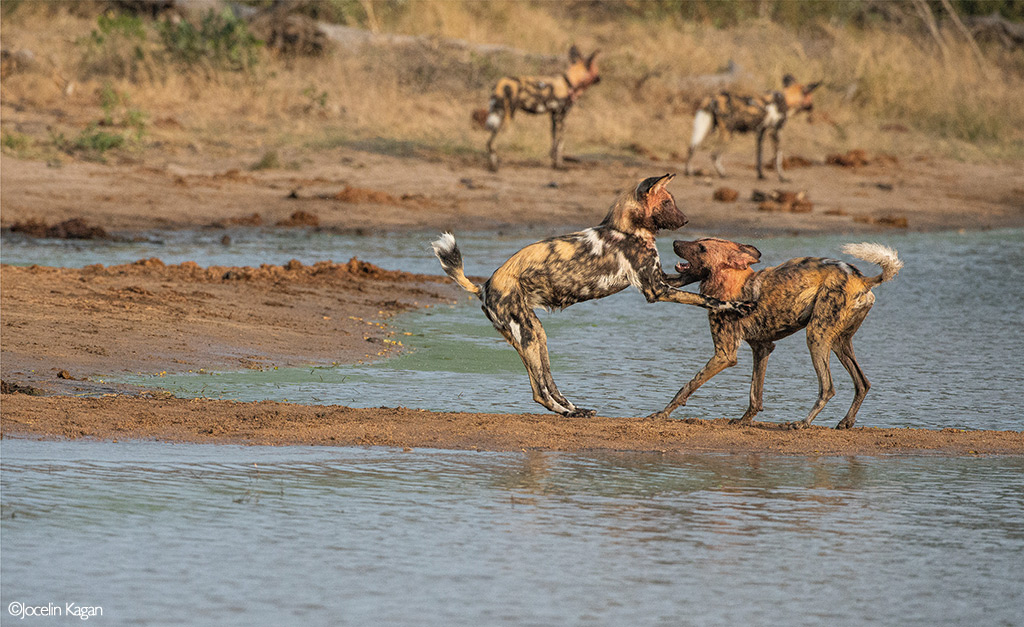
pixel 492 156
pixel 777 145
pixel 557 138
pixel 654 284
pixel 726 347
pixel 682 279
pixel 738 307
pixel 760 153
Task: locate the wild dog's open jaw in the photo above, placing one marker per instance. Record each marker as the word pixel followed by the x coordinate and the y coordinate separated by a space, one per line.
pixel 682 267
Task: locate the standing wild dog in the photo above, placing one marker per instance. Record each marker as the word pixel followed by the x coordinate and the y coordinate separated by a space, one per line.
pixel 538 94
pixel 829 298
pixel 728 113
pixel 558 272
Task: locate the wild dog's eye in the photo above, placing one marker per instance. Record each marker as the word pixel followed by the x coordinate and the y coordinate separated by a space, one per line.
pixel 703 248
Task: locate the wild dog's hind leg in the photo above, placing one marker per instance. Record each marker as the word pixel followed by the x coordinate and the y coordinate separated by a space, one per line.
pixel 557 138
pixel 525 333
pixel 721 140
pixel 761 352
pixel 821 336
pixel 861 385
pixel 726 346
pixel 844 351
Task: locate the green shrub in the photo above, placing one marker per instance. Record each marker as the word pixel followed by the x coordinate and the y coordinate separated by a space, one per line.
pixel 15 141
pixel 95 141
pixel 221 41
pixel 117 47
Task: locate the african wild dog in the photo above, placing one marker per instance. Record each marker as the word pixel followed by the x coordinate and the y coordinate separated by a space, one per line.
pixel 593 263
pixel 829 298
pixel 728 113
pixel 539 94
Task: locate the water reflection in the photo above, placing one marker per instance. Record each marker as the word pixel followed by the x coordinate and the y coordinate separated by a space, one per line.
pixel 265 535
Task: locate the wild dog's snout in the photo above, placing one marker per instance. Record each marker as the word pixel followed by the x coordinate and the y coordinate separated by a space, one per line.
pixel 686 250
pixel 683 248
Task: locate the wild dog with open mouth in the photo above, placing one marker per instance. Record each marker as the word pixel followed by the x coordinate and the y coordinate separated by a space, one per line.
pixel 538 94
pixel 829 298
pixel 766 114
pixel 560 271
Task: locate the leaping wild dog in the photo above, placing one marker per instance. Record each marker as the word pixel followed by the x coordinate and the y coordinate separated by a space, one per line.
pixel 560 271
pixel 538 94
pixel 829 298
pixel 766 114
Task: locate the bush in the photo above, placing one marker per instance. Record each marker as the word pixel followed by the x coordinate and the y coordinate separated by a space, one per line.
pixel 117 47
pixel 222 41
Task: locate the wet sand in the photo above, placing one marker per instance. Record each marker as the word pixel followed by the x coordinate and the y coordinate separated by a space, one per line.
pixel 228 422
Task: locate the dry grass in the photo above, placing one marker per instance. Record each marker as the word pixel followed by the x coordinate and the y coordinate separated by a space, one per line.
pixel 419 100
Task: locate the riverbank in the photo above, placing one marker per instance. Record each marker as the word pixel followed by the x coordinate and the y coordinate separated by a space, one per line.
pixel 227 422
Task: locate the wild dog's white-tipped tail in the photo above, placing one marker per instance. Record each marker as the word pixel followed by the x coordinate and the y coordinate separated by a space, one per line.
pixel 702 122
pixel 448 253
pixel 877 254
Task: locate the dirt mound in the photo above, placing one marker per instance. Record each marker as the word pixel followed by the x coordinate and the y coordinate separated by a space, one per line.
pixel 362 195
pixel 300 218
pixel 75 228
pixel 253 219
pixel 857 158
pixel 726 194
pixel 895 222
pixel 780 200
pixel 796 161
pixel 293 272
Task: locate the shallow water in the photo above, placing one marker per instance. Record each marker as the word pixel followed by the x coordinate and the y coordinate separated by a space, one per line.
pixel 160 534
pixel 940 346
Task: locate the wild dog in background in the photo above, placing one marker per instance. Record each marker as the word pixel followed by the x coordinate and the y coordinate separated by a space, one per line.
pixel 766 114
pixel 830 298
pixel 538 94
pixel 558 272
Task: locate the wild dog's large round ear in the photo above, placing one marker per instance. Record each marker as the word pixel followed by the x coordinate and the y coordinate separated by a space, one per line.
pixel 753 252
pixel 788 80
pixel 574 54
pixel 590 61
pixel 653 184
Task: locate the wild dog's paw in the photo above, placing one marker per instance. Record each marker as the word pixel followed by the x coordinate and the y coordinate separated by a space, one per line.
pixel 579 412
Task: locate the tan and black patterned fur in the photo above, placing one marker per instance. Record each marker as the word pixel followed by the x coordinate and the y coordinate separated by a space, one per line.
pixel 539 94
pixel 558 272
pixel 726 113
pixel 829 298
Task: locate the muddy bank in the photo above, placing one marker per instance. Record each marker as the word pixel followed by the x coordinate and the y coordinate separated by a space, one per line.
pixel 150 317
pixel 358 191
pixel 227 422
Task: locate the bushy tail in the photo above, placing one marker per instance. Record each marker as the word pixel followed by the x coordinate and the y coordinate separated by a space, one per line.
pixel 879 255
pixel 448 254
pixel 702 123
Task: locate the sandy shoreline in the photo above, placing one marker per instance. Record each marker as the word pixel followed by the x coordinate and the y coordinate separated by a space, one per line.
pixel 273 423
